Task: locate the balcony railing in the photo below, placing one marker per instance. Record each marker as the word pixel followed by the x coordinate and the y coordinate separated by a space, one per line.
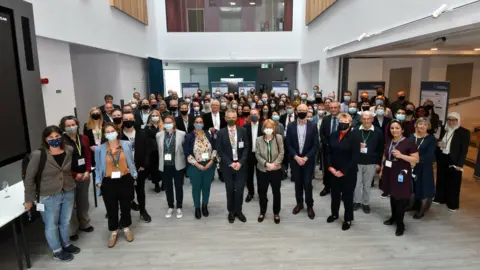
pixel 229 15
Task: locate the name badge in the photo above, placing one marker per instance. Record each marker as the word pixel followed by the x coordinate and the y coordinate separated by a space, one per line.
pixel 81 162
pixel 388 163
pixel 400 178
pixel 240 144
pixel 116 175
pixel 168 157
pixel 363 150
pixel 40 207
pixel 414 176
pixel 205 156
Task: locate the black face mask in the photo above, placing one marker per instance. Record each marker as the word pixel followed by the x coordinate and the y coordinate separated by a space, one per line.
pixel 184 112
pixel 230 98
pixel 95 116
pixel 272 95
pixel 365 108
pixel 246 114
pixel 145 107
pixel 281 107
pixel 429 107
pixel 154 106
pixel 117 120
pixel 409 112
pixel 379 93
pixel 129 124
pixel 318 100
pixel 173 109
pixel 343 126
pixel 199 94
pixel 401 98
pixel 302 115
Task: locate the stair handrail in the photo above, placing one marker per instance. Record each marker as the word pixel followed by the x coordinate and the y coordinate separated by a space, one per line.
pixel 456 103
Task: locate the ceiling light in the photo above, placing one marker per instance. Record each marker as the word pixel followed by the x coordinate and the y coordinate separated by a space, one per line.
pixel 476 49
pixel 232 75
pixel 434 49
pixel 253 3
pixel 232 3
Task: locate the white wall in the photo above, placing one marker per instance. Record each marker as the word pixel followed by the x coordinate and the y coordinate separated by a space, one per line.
pixel 54 61
pixel 364 70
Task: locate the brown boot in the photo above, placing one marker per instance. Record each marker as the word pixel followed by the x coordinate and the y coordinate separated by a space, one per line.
pixel 113 239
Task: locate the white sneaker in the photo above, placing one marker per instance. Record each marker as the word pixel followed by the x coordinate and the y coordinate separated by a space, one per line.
pixel 179 213
pixel 169 213
pixel 452 210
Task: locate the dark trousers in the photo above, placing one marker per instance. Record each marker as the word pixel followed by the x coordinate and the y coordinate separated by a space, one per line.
pixel 171 176
pixel 272 178
pixel 234 186
pixel 328 177
pixel 449 182
pixel 140 189
pixel 286 157
pixel 252 165
pixel 342 189
pixel 118 192
pixel 398 207
pixel 303 181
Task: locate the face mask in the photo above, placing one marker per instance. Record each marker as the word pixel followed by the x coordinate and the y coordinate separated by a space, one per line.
pixel 217 94
pixel 128 123
pixel 380 112
pixel 71 130
pixel 55 143
pixel 365 99
pixel 304 97
pixel 117 120
pixel 145 107
pixel 272 105
pixel 321 112
pixel 196 109
pixel 289 111
pixel 365 108
pixel 315 108
pixel 264 100
pixel 223 104
pixel 245 114
pixel 409 112
pixel 265 112
pixel 379 93
pixel 310 111
pixel 268 131
pixel 379 102
pixel 184 112
pixel 352 110
pixel 207 105
pixel 281 107
pixel 259 106
pixel 230 98
pixel 302 115
pixel 318 100
pixel 250 100
pixel 254 118
pixel 187 100
pixel 283 99
pixel 168 126
pixel 234 106
pixel 272 94
pixel 429 107
pixel 169 93
pixel 154 106
pixel 198 126
pixel 173 109
pixel 112 136
pixel 134 106
pixel 95 116
pixel 155 119
pixel 401 98
pixel 231 122
pixel 252 91
pixel 199 94
pixel 343 126
pixel 276 117
pixel 400 117
pixel 346 98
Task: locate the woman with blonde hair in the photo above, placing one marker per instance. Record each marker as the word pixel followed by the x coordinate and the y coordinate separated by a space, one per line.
pixel 154 125
pixel 269 154
pixel 93 130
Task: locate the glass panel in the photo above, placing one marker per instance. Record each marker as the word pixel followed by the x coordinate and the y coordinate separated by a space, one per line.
pixel 229 15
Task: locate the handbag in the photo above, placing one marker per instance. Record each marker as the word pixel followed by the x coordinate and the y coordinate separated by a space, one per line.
pixel 283 169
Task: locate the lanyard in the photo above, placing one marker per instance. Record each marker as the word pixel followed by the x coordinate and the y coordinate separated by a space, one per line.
pixel 418 145
pixel 448 138
pixel 392 147
pixel 365 139
pixel 115 161
pixel 169 141
pixel 79 146
pixel 269 150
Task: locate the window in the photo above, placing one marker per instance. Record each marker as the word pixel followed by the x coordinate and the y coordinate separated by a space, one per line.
pixel 172 81
pixel 196 21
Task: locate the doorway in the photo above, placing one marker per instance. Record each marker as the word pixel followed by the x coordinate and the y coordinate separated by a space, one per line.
pixel 400 79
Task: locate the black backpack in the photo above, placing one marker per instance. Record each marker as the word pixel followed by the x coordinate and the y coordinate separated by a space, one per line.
pixel 41 166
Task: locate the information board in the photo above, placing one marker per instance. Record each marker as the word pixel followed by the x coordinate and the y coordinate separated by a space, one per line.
pixel 190 88
pixel 438 93
pixel 282 87
pixel 244 87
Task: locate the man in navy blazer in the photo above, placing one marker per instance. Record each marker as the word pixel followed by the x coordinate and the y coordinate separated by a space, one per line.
pixel 329 125
pixel 302 144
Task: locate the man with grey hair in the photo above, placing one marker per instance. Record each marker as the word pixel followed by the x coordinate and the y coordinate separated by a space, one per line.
pixel 371 152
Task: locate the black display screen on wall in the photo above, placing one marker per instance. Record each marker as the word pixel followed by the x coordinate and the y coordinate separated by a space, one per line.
pixel 13 129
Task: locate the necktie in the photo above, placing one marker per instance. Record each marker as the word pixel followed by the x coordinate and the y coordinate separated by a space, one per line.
pixel 334 128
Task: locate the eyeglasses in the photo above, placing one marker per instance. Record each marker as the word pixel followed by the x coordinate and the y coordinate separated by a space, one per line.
pixel 452 120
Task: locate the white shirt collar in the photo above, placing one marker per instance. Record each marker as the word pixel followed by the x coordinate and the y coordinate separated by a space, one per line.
pixel 372 128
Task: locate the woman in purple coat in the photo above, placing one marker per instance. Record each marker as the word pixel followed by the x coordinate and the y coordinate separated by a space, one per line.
pixel 399 157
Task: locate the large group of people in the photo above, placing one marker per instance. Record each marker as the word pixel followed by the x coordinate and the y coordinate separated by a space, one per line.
pixel 246 138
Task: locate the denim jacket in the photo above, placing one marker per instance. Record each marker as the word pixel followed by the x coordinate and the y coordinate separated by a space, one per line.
pixel 101 159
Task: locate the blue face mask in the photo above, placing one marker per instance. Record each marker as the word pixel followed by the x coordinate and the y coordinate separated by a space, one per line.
pixel 289 111
pixel 168 126
pixel 379 102
pixel 352 110
pixel 275 117
pixel 111 136
pixel 198 126
pixel 347 98
pixel 254 118
pixel 55 143
pixel 400 117
pixel 264 100
pixel 380 112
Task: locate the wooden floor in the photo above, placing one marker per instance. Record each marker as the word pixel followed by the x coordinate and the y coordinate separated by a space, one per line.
pixel 442 240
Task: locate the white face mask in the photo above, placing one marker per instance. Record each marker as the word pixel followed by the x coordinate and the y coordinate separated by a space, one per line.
pixel 268 131
pixel 134 106
pixel 196 109
pixel 155 119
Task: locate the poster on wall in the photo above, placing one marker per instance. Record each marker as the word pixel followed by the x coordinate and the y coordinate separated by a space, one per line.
pixel 222 86
pixel 282 87
pixel 245 87
pixel 369 87
pixel 438 92
pixel 190 88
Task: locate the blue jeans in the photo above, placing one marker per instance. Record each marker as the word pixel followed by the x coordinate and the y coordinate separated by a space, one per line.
pixel 57 214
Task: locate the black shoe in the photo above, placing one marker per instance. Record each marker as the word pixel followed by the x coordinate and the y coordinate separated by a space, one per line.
pixel 261 217
pixel 157 188
pixel 297 209
pixel 366 209
pixel 389 221
pixel 356 206
pixel 145 216
pixel 162 188
pixel 72 249
pixel 241 217
pixel 400 230
pixel 63 256
pixel 231 218
pixel 418 215
pixel 249 198
pixel 198 213
pixel 134 206
pixel 346 225
pixel 88 229
pixel 331 219
pixel 276 218
pixel 311 213
pixel 205 210
pixel 325 192
pixel 385 195
pixel 74 237
pixel 106 215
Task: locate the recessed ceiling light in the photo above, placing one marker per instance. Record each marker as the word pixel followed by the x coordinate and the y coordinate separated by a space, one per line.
pixel 252 3
pixel 434 49
pixel 476 49
pixel 232 3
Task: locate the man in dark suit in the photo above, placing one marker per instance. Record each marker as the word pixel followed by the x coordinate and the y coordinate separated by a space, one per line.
pixel 329 125
pixel 254 130
pixel 141 115
pixel 285 120
pixel 213 122
pixel 380 92
pixel 302 144
pixel 233 146
pixel 108 99
pixel 168 97
pixel 184 122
